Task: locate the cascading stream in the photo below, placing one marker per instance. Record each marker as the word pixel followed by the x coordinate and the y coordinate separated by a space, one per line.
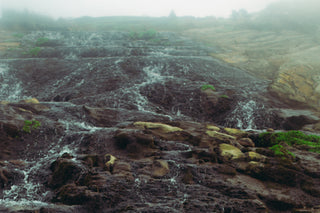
pixel 145 80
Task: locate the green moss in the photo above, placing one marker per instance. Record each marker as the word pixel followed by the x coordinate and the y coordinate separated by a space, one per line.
pixel 30 125
pixel 18 35
pixel 292 138
pixel 281 151
pixel 224 96
pixel 41 41
pixel 207 86
pixel 33 51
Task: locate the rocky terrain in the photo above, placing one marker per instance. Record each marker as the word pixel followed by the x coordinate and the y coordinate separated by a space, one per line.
pixel 287 57
pixel 148 122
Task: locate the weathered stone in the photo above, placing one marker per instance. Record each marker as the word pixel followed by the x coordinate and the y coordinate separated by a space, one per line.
pixel 30 101
pixel 246 142
pixel 109 162
pixel 158 126
pixel 160 168
pixel 213 128
pixel 220 136
pixel 229 152
pixel 236 132
pixel 64 171
pixel 253 156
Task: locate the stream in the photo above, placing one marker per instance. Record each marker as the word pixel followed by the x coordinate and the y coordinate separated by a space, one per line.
pixel 137 80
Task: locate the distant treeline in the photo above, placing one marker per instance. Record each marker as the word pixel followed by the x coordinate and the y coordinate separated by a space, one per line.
pixel 294 15
pixel 28 21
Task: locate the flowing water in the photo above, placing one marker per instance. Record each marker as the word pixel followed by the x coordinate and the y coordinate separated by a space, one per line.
pixel 107 70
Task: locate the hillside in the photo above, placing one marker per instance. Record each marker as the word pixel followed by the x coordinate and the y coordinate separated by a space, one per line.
pixel 132 114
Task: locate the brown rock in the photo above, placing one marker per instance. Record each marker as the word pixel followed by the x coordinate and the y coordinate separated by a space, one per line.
pixel 160 168
pixel 246 142
pixel 229 152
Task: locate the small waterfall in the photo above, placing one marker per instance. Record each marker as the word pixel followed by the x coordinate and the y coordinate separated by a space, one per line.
pixel 10 87
pixel 243 115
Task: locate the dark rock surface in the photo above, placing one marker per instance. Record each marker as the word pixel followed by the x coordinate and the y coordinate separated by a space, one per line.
pixel 125 128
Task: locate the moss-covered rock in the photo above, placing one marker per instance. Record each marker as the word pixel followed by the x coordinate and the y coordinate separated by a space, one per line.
pixel 160 168
pixel 165 128
pixel 236 132
pixel 220 136
pixel 229 152
pixel 109 162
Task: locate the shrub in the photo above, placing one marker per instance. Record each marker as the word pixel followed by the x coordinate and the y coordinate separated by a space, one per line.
pixel 208 86
pixel 41 41
pixel 279 150
pixel 224 96
pixel 33 51
pixel 31 125
pixel 292 138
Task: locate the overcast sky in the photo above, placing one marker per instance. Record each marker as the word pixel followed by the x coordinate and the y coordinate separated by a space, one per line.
pixel 77 8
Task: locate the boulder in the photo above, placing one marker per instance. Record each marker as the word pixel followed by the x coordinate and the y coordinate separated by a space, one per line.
pixel 109 162
pixel 213 128
pixel 229 152
pixel 64 171
pixel 220 136
pixel 253 156
pixel 236 132
pixel 246 142
pixel 160 168
pixel 164 128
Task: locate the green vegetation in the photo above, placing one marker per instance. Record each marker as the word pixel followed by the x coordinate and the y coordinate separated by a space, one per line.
pixel 31 125
pixel 33 51
pixel 207 86
pixel 18 35
pixel 292 138
pixel 41 41
pixel 144 35
pixel 279 150
pixel 224 96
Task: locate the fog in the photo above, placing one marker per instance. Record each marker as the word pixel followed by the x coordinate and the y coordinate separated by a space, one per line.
pixel 95 8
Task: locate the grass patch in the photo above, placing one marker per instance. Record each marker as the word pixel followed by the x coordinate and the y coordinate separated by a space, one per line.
pixel 33 51
pixel 41 41
pixel 207 86
pixel 224 96
pixel 292 138
pixel 281 151
pixel 31 125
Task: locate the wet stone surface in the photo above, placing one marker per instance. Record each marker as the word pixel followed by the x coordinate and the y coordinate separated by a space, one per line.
pixel 124 128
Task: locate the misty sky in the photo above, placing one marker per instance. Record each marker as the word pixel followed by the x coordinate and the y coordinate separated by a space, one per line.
pixel 77 8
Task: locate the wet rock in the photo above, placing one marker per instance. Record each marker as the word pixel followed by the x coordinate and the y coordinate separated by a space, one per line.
pixel 229 152
pixel 213 128
pixel 253 156
pixel 246 142
pixel 30 101
pixel 77 195
pixel 127 139
pixel 102 117
pixel 4 177
pixel 123 170
pixel 297 122
pixel 164 128
pixel 236 132
pixel 64 171
pixel 160 168
pixel 214 103
pixel 220 136
pixel 109 162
